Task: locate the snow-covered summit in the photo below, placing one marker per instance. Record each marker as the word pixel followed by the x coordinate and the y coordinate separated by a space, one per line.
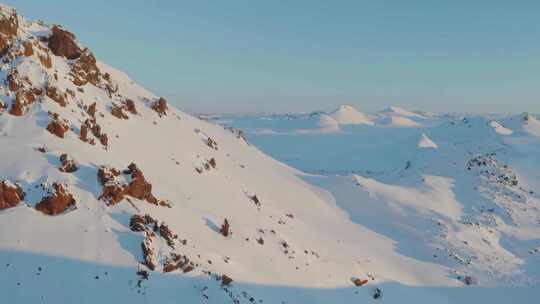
pixel 346 114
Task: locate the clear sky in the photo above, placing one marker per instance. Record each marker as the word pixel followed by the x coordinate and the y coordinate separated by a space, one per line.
pixel 304 55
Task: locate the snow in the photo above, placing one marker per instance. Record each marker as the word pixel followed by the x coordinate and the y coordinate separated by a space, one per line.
pixel 426 142
pixel 397 121
pixel 499 128
pixel 346 114
pixel 338 199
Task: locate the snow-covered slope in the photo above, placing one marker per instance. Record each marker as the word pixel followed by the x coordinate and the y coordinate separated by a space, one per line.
pixel 426 142
pixel 86 153
pixel 347 114
pixel 470 205
pixel 108 194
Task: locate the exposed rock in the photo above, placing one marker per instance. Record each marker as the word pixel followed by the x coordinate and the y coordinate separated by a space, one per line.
pixel 226 280
pixel 23 99
pixel 54 94
pixel 9 23
pixel 118 112
pixel 104 139
pixel 360 282
pixel 57 202
pixel 85 70
pixel 58 126
pixel 130 106
pixel 92 110
pixel 160 106
pixel 62 43
pixel 10 194
pixel 68 164
pixel 167 234
pixel 139 187
pixel 84 132
pixel 212 143
pixel 225 227
pixel 28 49
pixel 255 200
pixel 114 191
pixel 148 253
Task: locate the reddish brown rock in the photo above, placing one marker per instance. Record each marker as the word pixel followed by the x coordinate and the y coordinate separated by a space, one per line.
pixel 118 112
pixel 129 105
pixel 12 81
pixel 107 174
pixel 23 99
pixel 138 187
pixel 54 94
pixel 84 132
pixel 10 194
pixel 160 106
pixel 57 202
pixel 225 228
pixel 92 110
pixel 57 126
pixel 148 253
pixel 167 234
pixel 359 282
pixel 84 70
pixel 104 139
pixel 45 60
pixel 9 23
pixel 226 280
pixel 68 164
pixel 28 49
pixel 62 43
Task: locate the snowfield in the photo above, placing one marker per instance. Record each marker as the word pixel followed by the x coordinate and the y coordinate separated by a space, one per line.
pixel 109 194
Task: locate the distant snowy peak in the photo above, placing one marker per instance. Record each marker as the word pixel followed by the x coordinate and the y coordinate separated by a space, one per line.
pixel 426 142
pixel 531 124
pixel 397 121
pixel 499 128
pixel 397 111
pixel 346 114
pixel 327 123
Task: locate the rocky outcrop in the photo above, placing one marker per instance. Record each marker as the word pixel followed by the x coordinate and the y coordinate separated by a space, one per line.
pixel 129 106
pixel 54 94
pixel 359 282
pixel 68 164
pixel 62 43
pixel 166 233
pixel 58 201
pixel 91 110
pixel 160 106
pixel 115 189
pixel 23 100
pixel 9 23
pixel 84 70
pixel 118 112
pixel 58 126
pixel 10 194
pixel 149 255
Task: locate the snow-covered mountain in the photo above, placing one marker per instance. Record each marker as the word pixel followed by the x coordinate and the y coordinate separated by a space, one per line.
pixel 346 114
pixel 109 194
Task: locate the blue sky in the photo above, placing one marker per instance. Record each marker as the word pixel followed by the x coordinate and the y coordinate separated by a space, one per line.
pixel 303 55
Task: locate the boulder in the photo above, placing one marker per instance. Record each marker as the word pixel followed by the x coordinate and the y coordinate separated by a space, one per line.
pixel 68 164
pixel 10 194
pixel 62 43
pixel 58 126
pixel 57 202
pixel 160 106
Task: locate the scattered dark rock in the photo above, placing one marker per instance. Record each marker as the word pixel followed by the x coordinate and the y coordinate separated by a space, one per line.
pixel 68 164
pixel 225 228
pixel 160 106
